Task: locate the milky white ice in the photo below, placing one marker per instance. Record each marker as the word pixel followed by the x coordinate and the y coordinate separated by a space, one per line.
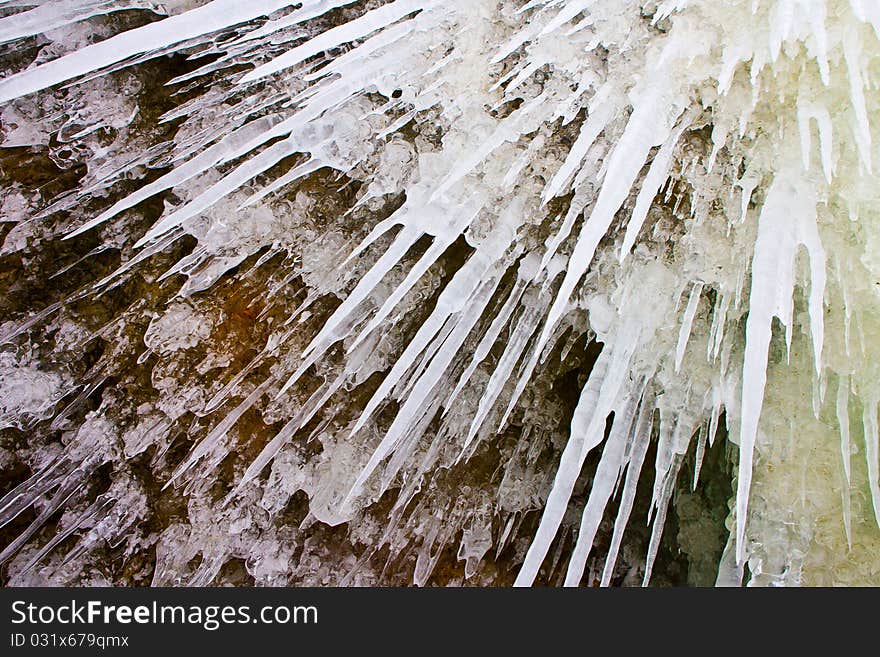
pixel 689 183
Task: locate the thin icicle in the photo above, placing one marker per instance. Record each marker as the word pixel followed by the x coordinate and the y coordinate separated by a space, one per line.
pixel 687 323
pixel 872 454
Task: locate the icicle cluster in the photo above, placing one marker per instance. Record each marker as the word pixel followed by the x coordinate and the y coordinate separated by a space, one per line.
pixel 435 207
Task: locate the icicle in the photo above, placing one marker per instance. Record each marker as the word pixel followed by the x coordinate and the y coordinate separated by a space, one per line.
pixel 208 18
pixel 587 432
pixel 517 342
pixel 687 323
pixel 851 47
pixel 607 473
pixel 700 455
pixel 489 339
pixel 466 295
pixel 649 118
pixel 640 441
pixel 219 432
pixel 653 182
pixel 373 20
pixel 227 148
pixel 660 518
pixel 872 454
pixel 52 15
pixel 787 220
pixel 601 113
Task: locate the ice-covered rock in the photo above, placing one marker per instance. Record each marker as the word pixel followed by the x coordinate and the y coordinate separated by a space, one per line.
pixel 459 278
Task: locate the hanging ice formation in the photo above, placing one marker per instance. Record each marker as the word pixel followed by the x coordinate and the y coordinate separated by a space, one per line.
pixel 390 228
